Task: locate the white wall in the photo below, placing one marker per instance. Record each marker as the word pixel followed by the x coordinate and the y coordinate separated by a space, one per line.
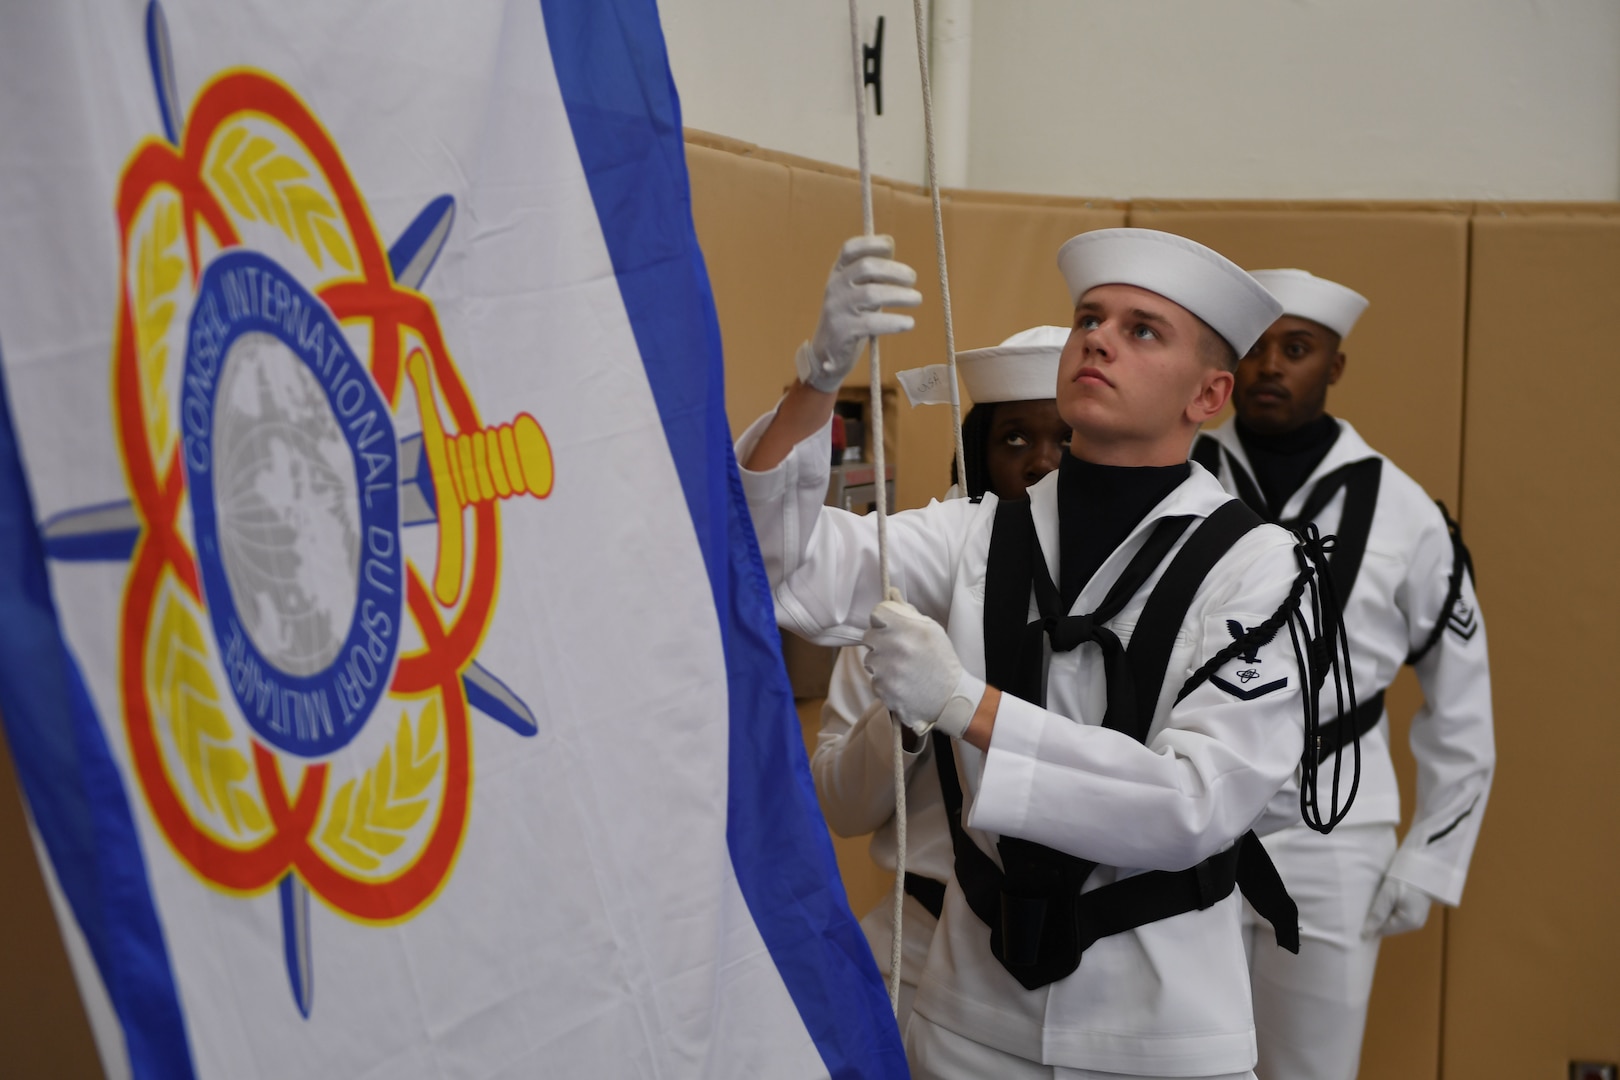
pixel 778 73
pixel 1466 99
pixel 1516 99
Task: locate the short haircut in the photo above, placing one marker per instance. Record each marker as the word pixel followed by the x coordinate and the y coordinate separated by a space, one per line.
pixel 1215 350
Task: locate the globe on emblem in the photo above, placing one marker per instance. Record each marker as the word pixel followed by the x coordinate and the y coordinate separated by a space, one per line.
pixel 287 504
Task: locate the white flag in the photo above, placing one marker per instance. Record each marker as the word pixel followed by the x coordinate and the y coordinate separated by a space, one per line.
pixel 388 663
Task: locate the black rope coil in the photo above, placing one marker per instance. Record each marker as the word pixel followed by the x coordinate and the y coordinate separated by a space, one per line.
pixel 1321 648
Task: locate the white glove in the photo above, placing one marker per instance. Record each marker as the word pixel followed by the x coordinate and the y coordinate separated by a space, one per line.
pixel 864 279
pixel 1398 908
pixel 915 671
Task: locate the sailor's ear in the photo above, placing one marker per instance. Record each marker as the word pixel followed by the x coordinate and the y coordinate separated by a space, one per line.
pixel 1213 391
pixel 1336 368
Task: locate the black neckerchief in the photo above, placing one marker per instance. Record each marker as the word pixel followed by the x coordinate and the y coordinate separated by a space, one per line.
pixel 1281 463
pixel 1098 506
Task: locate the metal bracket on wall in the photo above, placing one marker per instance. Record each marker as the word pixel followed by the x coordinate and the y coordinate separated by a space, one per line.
pixel 872 67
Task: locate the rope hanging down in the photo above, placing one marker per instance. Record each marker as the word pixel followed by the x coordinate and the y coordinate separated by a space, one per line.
pixel 880 470
pixel 880 489
pixel 939 239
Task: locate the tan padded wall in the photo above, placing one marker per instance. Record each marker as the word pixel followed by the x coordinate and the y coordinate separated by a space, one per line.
pixel 1402 389
pixel 922 436
pixel 1531 953
pixel 43 1030
pixel 1003 261
pixel 1402 385
pixel 740 206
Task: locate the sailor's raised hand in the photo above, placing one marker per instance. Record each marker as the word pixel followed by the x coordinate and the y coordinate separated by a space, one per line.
pixel 865 280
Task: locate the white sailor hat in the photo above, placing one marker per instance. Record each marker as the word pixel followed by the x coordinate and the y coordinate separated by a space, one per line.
pixel 1304 294
pixel 1206 283
pixel 1022 368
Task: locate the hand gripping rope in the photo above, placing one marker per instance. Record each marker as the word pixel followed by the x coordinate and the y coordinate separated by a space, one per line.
pixel 880 470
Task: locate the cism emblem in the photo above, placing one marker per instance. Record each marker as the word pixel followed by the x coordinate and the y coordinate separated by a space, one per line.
pixel 313 524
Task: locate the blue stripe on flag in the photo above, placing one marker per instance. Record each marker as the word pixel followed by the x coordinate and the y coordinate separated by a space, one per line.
pixel 75 792
pixel 621 101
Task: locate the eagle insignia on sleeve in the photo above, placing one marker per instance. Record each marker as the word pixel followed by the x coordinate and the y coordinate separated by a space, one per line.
pixel 1251 657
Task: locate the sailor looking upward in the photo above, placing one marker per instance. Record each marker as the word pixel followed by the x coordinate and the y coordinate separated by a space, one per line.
pixel 1074 656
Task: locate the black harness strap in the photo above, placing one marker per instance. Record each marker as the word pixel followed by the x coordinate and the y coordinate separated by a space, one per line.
pixel 1248 490
pixel 927 892
pixel 1040 922
pixel 1461 562
pixel 1038 886
pixel 1068 632
pixel 1359 481
pixel 1167 605
pixel 1343 730
pixel 977 873
pixel 1007 577
pixel 1207 452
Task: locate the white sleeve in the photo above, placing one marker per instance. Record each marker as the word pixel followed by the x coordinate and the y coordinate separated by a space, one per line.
pixel 1452 737
pixel 822 561
pixel 853 763
pixel 1204 776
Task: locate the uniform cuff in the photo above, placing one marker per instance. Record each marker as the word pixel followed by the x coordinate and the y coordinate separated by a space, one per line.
pixel 1001 804
pixel 1438 878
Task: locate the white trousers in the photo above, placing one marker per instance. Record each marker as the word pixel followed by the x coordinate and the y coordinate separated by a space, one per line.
pixel 1310 1010
pixel 938 1054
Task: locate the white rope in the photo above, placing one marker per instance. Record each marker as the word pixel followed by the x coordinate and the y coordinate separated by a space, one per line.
pixel 880 469
pixel 939 240
pixel 880 492
pixel 896 947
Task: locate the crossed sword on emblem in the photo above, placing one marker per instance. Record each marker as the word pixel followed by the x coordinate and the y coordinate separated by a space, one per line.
pixel 441 474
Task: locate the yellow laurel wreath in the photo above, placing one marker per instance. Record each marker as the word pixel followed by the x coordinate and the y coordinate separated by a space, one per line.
pixel 189 699
pixel 157 275
pixel 370 816
pixel 263 184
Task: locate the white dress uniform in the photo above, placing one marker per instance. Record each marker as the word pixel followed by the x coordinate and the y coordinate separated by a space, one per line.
pixel 1311 1009
pixel 853 763
pixel 1169 998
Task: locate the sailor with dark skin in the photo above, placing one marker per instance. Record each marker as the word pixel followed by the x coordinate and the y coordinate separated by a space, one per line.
pixel 1282 384
pixel 1027 440
pixel 1407 600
